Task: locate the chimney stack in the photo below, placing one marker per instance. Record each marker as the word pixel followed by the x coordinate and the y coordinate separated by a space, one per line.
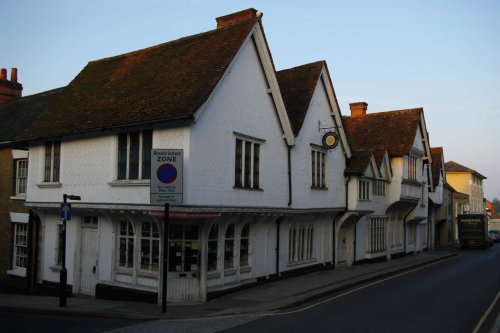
pixel 358 109
pixel 9 90
pixel 13 75
pixel 238 17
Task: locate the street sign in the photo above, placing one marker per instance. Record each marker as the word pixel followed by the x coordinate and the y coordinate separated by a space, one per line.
pixel 65 213
pixel 166 176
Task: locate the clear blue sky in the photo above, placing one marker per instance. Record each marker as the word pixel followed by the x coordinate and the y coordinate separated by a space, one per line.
pixel 442 55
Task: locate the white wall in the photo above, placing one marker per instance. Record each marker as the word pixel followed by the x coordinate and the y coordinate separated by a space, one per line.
pixel 303 196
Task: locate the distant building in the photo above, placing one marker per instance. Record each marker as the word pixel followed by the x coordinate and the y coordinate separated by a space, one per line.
pixel 468 181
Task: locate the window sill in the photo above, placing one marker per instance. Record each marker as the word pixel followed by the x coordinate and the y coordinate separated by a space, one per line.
pixel 126 183
pixel 229 271
pixel 213 275
pixel 55 268
pixel 17 272
pixel 49 185
pixel 248 189
pixel 18 197
pixel 245 269
pixel 319 188
pixel 298 263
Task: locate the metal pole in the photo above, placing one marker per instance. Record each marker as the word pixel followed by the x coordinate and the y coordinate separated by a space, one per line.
pixel 63 274
pixel 165 259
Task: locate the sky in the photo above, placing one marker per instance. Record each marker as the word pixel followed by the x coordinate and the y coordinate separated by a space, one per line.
pixel 441 55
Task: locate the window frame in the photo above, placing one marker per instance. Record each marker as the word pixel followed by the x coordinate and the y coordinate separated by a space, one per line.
pixel 17 246
pixel 134 155
pixel 318 167
pixel 248 151
pixel 52 162
pixel 300 244
pixel 364 189
pixel 20 181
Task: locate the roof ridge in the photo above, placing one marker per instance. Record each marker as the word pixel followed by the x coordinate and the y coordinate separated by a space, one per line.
pixel 173 42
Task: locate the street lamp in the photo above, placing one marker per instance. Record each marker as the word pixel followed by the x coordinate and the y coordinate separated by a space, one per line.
pixel 63 274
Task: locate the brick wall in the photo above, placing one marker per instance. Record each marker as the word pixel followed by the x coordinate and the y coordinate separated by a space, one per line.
pixel 6 206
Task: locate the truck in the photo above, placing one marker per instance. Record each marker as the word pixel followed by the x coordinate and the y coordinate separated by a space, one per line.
pixel 473 231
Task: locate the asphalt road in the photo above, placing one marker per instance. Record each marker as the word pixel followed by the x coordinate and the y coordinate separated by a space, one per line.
pixel 450 296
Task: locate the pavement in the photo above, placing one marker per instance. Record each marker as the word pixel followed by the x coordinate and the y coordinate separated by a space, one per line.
pixel 264 298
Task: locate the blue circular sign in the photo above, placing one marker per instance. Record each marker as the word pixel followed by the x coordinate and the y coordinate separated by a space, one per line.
pixel 166 173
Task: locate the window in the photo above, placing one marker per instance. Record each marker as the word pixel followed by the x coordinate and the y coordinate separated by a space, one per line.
pixel 20 246
pixel 183 250
pixel 229 247
pixel 376 236
pixel 21 176
pixel 126 245
pixel 300 243
pixel 379 187
pixel 52 161
pixel 134 155
pixel 247 164
pixel 213 241
pixel 245 235
pixel 150 247
pixel 318 169
pixel 412 167
pixel 90 222
pixel 364 190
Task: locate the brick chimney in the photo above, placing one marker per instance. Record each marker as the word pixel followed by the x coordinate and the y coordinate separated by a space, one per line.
pixel 358 109
pixel 9 90
pixel 238 17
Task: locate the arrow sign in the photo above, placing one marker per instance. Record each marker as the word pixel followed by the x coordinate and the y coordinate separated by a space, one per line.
pixel 65 213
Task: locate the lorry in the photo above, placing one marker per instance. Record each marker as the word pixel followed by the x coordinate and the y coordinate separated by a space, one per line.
pixel 473 231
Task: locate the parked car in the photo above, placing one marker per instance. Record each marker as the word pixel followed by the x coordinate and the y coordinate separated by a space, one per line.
pixel 494 235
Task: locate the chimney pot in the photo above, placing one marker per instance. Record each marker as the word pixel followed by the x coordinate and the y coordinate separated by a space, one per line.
pixel 13 75
pixel 3 74
pixel 358 109
pixel 238 17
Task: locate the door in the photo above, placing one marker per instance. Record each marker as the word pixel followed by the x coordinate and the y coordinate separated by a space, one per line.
pixel 88 258
pixel 341 245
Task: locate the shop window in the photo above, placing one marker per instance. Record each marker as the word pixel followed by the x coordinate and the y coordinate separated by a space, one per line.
pixel 150 247
pixel 213 238
pixel 229 247
pixel 244 242
pixel 126 245
pixel 183 251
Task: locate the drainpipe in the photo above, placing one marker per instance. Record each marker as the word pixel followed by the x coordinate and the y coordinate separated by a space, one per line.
pixel 289 176
pixel 29 266
pixel 278 224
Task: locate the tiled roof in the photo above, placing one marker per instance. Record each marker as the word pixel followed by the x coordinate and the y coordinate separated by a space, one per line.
pixel 163 83
pixel 297 87
pixel 437 162
pixel 452 166
pixel 391 130
pixel 358 162
pixel 18 115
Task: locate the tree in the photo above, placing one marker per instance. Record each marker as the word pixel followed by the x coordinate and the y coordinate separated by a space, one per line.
pixel 496 206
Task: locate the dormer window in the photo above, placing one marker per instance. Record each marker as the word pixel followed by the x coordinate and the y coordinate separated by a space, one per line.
pixel 134 155
pixel 364 189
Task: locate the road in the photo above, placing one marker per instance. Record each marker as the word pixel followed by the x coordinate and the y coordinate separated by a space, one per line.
pixel 448 296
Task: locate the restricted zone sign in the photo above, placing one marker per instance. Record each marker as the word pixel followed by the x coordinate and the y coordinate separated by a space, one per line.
pixel 166 176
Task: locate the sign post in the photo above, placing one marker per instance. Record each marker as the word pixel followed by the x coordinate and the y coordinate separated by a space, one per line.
pixel 65 215
pixel 166 188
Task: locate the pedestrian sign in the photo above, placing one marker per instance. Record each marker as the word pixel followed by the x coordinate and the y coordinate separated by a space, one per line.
pixel 65 213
